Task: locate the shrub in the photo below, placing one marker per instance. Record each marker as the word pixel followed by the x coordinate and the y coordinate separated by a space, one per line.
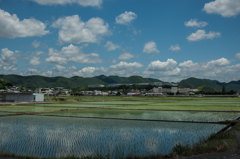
pixel 180 149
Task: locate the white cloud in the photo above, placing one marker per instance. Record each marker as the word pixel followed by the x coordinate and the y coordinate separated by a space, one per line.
pixel 12 27
pixel 35 44
pixel 9 69
pixel 8 57
pixel 73 54
pixel 237 56
pixel 215 69
pixel 187 64
pixel 126 18
pixel 226 8
pixel 170 64
pixel 122 68
pixel 34 70
pixel 48 73
pixel 110 46
pixel 126 66
pixel 125 56
pixel 150 47
pixel 201 34
pixel 84 3
pixel 59 68
pixel 175 48
pixel 219 62
pixel 56 60
pixel 73 30
pixel 162 69
pixel 90 72
pixel 195 23
pixel 35 61
pixel 39 52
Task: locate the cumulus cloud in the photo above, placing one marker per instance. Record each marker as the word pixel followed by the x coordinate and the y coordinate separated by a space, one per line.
pixel 214 69
pixel 237 56
pixel 12 27
pixel 170 64
pixel 225 8
pixel 201 34
pixel 56 60
pixel 158 68
pixel 150 47
pixel 122 68
pixel 187 64
pixel 73 30
pixel 126 18
pixel 195 23
pixel 33 70
pixel 9 69
pixel 59 68
pixel 110 46
pixel 48 73
pixel 84 3
pixel 8 57
pixel 35 44
pixel 73 54
pixel 125 65
pixel 35 61
pixel 175 48
pixel 220 62
pixel 125 56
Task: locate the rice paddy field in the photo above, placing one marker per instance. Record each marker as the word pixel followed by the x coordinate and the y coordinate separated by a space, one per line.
pixel 116 127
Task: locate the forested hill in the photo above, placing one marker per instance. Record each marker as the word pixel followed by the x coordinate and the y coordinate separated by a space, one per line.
pixel 76 81
pixel 73 82
pixel 195 83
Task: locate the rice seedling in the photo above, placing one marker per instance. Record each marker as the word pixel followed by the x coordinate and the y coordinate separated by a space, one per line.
pixel 41 136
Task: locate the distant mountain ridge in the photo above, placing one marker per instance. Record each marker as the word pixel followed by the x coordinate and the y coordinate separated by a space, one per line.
pixel 35 81
pixel 196 82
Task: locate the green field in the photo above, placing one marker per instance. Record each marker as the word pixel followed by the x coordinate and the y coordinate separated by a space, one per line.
pixel 150 115
pixel 30 108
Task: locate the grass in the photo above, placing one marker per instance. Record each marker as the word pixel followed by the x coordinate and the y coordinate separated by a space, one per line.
pixel 30 109
pixel 168 103
pixel 225 141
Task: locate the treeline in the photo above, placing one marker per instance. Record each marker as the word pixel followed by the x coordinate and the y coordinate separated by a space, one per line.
pixel 4 84
pixel 122 87
pixel 211 91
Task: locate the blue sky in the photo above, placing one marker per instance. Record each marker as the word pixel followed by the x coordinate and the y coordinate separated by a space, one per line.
pixel 168 40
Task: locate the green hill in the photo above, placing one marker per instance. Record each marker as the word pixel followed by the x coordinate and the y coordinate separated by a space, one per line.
pixel 41 81
pixel 73 82
pixel 216 85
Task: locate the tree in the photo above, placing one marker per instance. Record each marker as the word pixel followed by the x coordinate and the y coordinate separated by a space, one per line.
pixel 223 90
pixel 118 93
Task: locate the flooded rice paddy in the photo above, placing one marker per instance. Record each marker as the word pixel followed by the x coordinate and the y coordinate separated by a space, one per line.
pixel 41 136
pixel 75 129
pixel 151 115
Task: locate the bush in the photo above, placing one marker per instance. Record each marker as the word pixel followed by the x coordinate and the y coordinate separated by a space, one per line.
pixel 180 149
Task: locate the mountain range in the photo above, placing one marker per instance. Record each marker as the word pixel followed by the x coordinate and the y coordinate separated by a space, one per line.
pixel 35 81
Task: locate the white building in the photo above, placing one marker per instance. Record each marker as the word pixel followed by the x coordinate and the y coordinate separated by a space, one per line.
pixel 95 85
pixel 21 97
pixel 157 83
pixel 38 97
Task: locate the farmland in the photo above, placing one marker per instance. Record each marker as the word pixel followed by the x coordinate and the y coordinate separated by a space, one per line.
pixel 112 126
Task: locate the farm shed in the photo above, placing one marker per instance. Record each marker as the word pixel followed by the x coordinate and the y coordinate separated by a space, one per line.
pixel 38 97
pixel 19 97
